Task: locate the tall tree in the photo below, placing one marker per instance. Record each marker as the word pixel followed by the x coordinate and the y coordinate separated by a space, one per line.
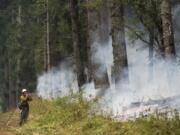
pixel 167 27
pixel 47 57
pixel 148 27
pixel 98 38
pixel 120 68
pixel 12 44
pixel 74 9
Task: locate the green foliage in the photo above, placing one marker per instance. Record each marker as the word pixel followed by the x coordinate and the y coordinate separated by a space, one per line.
pixel 22 43
pixel 94 4
pixel 72 116
pixel 146 17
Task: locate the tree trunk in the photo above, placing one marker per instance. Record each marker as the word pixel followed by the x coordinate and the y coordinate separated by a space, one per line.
pixel 11 92
pixel 47 37
pixel 167 27
pixel 19 20
pixel 98 37
pixel 19 56
pixel 77 41
pixel 6 78
pixel 120 68
pixel 47 57
pixel 18 81
pixel 84 44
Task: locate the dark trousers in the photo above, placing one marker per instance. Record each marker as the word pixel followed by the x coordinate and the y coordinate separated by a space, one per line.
pixel 24 114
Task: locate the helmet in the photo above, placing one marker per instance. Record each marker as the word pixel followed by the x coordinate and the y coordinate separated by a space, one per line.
pixel 24 90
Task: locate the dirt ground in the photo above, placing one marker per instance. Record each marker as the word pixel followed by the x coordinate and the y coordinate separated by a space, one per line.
pixel 9 121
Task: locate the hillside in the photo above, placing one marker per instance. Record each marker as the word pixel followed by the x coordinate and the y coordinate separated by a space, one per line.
pixel 72 116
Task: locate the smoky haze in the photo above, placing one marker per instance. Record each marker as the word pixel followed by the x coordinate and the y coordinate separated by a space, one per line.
pixel 62 81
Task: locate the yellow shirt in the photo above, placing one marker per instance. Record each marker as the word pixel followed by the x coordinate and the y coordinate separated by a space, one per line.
pixel 24 98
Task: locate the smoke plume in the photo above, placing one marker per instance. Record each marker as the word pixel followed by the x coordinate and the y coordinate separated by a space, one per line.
pixel 58 82
pixel 146 83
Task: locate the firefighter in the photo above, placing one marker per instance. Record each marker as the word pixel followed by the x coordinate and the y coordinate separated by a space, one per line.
pixel 24 106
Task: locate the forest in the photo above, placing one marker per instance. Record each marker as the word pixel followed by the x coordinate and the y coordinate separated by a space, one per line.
pixel 90 67
pixel 101 40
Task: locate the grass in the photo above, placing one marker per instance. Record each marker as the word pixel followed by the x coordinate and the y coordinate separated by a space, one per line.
pixel 72 116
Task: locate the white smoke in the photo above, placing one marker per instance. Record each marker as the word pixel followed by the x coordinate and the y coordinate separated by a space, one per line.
pixel 141 88
pixel 89 91
pixel 57 82
pixel 102 54
pixel 62 81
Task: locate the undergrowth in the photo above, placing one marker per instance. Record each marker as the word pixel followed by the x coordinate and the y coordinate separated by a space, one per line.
pixel 73 116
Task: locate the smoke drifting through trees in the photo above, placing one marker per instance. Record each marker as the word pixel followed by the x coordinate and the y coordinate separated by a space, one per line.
pixel 92 32
pixel 57 82
pixel 139 88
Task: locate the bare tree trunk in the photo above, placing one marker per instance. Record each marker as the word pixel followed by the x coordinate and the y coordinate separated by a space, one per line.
pixel 18 80
pixel 120 68
pixel 85 48
pixel 167 27
pixel 47 37
pixel 99 36
pixel 77 41
pixel 18 58
pixel 19 20
pixel 89 62
pixel 168 39
pixel 6 78
pixel 9 85
pixel 47 57
pixel 11 92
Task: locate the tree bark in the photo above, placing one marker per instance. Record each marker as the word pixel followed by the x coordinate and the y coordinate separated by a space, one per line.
pixel 12 88
pixel 74 9
pixel 19 20
pixel 6 78
pixel 167 27
pixel 85 49
pixel 120 68
pixel 47 57
pixel 19 56
pixel 47 37
pixel 98 37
